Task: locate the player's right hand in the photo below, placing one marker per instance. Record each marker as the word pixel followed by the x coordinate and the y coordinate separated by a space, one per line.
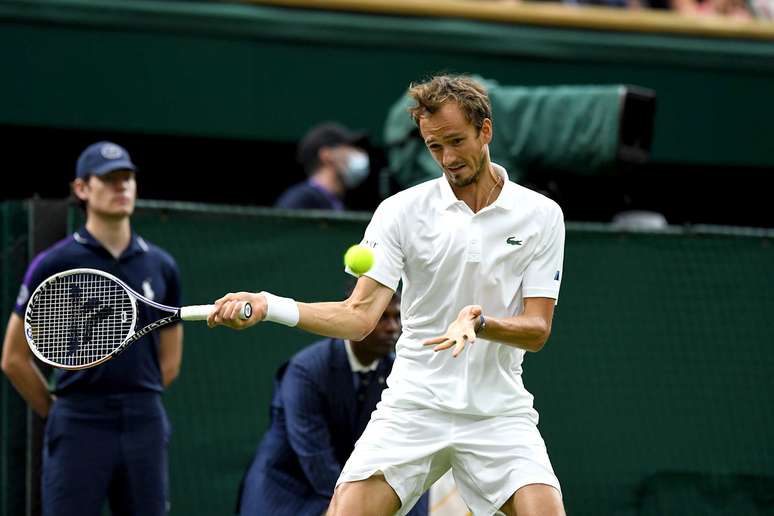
pixel 228 307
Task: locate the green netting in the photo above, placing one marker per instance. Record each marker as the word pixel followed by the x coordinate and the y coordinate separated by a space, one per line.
pixel 14 244
pixel 660 361
pixel 656 389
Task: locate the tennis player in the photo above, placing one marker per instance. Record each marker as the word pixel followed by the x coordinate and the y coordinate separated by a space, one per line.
pixel 480 258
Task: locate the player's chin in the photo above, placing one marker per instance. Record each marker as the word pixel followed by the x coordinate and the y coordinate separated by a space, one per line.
pixel 461 176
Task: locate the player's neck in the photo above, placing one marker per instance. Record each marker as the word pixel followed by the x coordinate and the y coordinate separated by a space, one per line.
pixel 484 191
pixel 113 233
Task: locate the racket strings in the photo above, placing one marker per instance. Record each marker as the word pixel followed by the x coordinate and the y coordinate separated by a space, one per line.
pixel 80 318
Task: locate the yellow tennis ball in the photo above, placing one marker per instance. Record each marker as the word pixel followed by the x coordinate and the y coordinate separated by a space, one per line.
pixel 359 259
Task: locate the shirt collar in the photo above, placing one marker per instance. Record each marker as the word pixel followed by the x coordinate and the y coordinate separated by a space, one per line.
pixel 355 364
pixel 505 200
pixel 136 245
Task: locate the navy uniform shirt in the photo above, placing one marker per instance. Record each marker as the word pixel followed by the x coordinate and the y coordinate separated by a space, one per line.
pixel 148 270
pixel 309 196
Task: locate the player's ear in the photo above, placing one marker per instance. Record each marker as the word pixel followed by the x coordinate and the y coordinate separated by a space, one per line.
pixel 486 131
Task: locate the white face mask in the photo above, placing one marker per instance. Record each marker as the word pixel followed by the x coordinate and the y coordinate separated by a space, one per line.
pixel 356 170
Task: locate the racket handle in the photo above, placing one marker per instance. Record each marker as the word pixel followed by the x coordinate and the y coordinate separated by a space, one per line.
pixel 201 312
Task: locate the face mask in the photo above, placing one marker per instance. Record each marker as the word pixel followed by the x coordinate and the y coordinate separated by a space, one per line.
pixel 356 170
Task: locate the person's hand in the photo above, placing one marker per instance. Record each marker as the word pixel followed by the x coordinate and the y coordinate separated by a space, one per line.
pixel 460 333
pixel 227 310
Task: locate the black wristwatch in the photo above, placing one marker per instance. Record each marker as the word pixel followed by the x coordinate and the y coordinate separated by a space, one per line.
pixel 481 324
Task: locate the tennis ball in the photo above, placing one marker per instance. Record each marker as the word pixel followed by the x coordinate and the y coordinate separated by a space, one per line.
pixel 359 259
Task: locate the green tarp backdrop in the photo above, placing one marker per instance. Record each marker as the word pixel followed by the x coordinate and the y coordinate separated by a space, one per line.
pixel 573 128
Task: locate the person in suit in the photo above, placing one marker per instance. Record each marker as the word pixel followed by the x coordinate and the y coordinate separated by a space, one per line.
pixel 323 399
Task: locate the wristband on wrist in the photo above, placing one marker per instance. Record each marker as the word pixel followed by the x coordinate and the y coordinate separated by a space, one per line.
pixel 283 310
pixel 481 324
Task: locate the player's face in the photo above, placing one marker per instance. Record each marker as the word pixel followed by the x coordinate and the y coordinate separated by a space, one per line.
pixel 111 195
pixel 382 340
pixel 455 144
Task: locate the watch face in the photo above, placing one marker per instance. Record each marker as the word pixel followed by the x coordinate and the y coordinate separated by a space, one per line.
pixel 481 324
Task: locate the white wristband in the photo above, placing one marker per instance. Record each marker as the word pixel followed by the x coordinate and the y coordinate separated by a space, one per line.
pixel 283 310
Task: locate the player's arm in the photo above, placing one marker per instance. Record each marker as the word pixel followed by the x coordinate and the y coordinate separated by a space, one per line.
pixel 529 330
pixel 19 366
pixel 170 353
pixel 353 318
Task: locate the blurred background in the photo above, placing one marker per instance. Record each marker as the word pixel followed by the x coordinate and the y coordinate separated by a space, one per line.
pixel 651 123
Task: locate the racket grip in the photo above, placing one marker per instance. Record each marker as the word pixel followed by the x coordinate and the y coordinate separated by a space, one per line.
pixel 201 312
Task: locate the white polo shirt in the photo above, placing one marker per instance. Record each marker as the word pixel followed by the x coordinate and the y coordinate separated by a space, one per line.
pixel 449 257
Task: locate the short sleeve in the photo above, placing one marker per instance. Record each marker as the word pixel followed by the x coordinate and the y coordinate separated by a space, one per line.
pixel 383 237
pixel 543 276
pixel 36 273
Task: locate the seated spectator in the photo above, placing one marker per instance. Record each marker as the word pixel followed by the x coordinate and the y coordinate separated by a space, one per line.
pixel 335 161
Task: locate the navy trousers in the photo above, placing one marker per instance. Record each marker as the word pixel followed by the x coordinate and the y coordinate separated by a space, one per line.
pixel 109 447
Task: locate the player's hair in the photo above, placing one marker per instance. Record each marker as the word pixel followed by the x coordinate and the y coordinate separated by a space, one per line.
pixel 469 95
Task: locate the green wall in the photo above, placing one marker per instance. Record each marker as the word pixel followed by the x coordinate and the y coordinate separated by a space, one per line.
pixel 660 360
pixel 266 73
pixel 659 365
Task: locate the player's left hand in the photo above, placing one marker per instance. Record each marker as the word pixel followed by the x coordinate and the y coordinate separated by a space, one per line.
pixel 460 333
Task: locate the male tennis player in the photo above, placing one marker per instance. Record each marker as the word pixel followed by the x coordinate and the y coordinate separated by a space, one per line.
pixel 106 431
pixel 480 258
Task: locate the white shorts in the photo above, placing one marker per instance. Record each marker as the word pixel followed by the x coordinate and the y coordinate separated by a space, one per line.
pixel 490 457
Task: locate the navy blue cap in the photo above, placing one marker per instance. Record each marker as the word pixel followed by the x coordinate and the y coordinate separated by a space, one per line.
pixel 102 157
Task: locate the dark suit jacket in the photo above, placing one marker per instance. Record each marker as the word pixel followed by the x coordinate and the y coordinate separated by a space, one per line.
pixel 312 432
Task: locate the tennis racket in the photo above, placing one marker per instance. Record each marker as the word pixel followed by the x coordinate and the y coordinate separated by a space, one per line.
pixel 80 318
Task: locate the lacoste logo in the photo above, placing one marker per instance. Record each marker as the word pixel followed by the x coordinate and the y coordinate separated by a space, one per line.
pixel 513 241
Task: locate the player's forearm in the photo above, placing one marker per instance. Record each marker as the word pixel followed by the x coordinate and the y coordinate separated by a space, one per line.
pixel 352 319
pixel 28 381
pixel 341 320
pixel 526 332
